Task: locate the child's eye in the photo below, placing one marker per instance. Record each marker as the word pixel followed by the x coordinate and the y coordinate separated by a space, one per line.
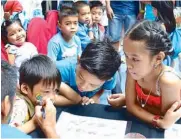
pixel 20 30
pixel 11 34
pixel 46 92
pixel 135 60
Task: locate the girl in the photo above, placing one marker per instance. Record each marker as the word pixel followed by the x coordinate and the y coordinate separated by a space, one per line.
pixel 164 11
pixel 151 87
pixel 14 38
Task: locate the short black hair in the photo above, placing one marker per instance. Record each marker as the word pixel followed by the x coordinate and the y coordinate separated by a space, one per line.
pixel 96 4
pixel 8 81
pixel 154 36
pixel 39 68
pixel 80 4
pixel 67 10
pixel 4 27
pixel 101 59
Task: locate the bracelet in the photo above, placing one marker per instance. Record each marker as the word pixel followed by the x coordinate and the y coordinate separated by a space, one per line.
pixel 154 121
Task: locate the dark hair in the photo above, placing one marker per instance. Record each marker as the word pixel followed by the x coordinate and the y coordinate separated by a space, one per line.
pixel 4 27
pixel 67 10
pixel 80 4
pixel 39 68
pixel 8 81
pixel 154 36
pixel 165 14
pixel 101 59
pixel 96 4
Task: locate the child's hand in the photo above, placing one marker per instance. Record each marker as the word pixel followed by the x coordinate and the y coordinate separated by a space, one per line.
pixel 87 101
pixel 116 100
pixel 171 116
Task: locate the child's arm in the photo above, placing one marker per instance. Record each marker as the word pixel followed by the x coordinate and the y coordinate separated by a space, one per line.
pixel 67 96
pixel 11 57
pixel 170 86
pixel 144 115
pixel 28 126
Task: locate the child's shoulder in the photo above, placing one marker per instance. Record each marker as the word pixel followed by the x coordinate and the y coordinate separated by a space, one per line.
pixel 169 77
pixel 56 38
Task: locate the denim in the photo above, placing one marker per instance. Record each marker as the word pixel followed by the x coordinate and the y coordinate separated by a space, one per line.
pixel 116 25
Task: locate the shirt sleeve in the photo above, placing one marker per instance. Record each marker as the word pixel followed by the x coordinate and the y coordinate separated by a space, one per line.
pixel 110 84
pixel 53 50
pixel 20 112
pixel 79 48
pixel 84 37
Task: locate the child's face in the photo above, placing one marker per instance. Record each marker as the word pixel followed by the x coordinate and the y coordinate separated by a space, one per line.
pixel 86 81
pixel 96 14
pixel 43 90
pixel 139 61
pixel 16 34
pixel 69 26
pixel 85 15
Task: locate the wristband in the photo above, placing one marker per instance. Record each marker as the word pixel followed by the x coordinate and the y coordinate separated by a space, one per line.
pixel 155 121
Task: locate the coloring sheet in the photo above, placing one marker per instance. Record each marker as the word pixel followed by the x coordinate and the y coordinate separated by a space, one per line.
pixel 71 126
pixel 173 132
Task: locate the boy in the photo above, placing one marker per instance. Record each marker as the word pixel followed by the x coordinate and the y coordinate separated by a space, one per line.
pixel 97 12
pixel 38 76
pixel 65 43
pixel 84 32
pixel 85 80
pixel 8 87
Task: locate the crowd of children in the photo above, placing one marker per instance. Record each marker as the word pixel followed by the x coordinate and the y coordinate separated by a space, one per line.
pixel 83 57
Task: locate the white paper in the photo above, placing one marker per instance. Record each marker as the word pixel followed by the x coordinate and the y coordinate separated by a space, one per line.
pixel 173 132
pixel 71 126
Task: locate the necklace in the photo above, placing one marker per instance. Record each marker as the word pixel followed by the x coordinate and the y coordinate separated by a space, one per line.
pixel 144 104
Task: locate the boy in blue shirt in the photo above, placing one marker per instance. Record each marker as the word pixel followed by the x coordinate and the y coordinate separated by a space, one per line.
pixel 97 10
pixel 85 31
pixel 84 80
pixel 65 43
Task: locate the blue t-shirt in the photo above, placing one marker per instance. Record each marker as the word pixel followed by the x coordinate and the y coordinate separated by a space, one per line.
pixel 67 68
pixel 149 15
pixel 125 7
pixel 59 49
pixel 12 132
pixel 82 33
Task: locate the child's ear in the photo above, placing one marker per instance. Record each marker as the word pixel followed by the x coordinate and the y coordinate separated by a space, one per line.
pixel 59 24
pixel 159 58
pixel 24 88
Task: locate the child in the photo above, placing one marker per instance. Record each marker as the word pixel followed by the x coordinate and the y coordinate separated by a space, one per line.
pixel 85 31
pixel 65 43
pixel 14 38
pixel 86 79
pixel 97 12
pixel 164 10
pixel 151 87
pixel 38 75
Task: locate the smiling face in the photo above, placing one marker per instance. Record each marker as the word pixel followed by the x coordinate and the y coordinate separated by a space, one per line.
pixel 84 15
pixel 96 14
pixel 16 34
pixel 69 26
pixel 139 61
pixel 86 81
